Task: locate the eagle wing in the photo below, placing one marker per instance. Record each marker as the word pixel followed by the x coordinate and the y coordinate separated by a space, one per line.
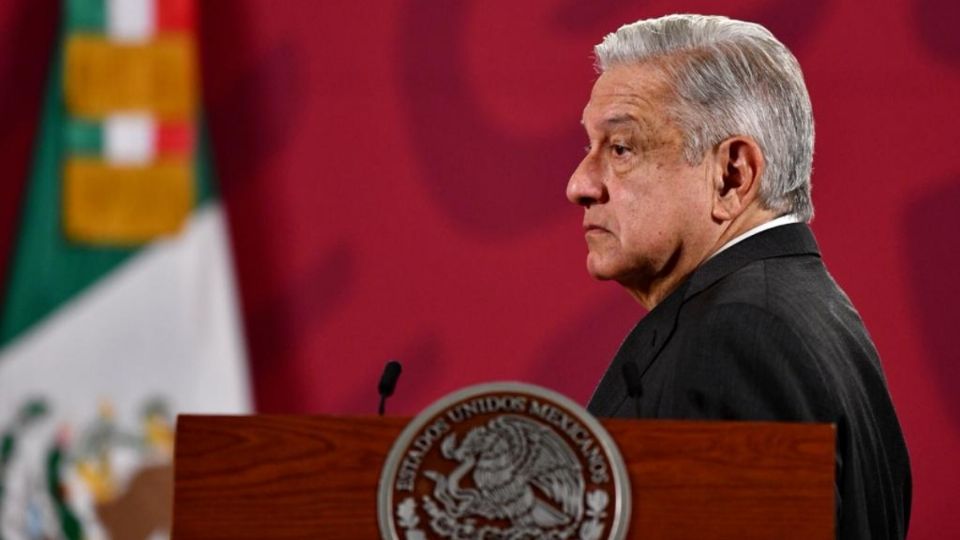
pixel 549 464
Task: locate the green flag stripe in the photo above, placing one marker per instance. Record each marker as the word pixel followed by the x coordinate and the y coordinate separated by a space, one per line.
pixel 204 179
pixel 83 138
pixel 46 269
pixel 86 16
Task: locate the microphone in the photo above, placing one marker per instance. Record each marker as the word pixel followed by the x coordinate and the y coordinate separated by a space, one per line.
pixel 631 374
pixel 388 381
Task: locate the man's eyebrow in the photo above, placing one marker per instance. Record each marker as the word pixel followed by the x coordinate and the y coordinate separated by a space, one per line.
pixel 620 119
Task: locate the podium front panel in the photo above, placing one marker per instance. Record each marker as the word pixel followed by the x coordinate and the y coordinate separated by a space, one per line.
pixel 291 477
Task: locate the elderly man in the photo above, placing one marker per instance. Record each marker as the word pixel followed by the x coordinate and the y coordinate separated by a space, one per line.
pixel 696 193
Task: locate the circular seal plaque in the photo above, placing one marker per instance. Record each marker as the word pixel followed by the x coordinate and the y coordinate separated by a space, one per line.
pixel 504 460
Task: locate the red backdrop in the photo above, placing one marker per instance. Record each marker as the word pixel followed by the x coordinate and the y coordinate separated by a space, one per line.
pixel 394 173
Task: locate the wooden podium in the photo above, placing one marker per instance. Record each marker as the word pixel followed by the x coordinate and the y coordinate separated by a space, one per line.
pixel 264 477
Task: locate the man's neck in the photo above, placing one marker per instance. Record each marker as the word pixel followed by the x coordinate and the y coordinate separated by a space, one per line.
pixel 744 223
pixel 775 222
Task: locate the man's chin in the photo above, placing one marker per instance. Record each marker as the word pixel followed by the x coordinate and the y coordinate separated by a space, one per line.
pixel 599 271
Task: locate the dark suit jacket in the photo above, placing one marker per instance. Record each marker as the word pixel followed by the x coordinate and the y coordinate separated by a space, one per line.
pixel 762 332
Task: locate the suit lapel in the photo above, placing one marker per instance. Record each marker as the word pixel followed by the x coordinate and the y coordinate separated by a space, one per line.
pixel 642 346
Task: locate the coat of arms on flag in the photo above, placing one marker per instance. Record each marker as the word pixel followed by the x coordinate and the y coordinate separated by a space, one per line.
pixel 119 309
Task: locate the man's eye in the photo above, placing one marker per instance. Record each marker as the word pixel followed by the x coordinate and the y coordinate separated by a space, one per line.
pixel 619 149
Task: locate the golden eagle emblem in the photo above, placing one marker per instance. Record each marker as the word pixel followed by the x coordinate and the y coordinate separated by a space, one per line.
pixel 520 471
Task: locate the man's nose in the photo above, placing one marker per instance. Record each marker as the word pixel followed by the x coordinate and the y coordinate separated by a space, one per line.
pixel 585 187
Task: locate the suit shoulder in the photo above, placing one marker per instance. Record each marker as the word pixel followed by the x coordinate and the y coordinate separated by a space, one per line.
pixel 794 289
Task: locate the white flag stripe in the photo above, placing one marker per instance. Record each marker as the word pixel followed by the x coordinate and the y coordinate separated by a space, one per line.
pixel 164 323
pixel 131 20
pixel 129 139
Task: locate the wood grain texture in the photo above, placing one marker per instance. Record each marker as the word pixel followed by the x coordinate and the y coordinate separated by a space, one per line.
pixel 314 477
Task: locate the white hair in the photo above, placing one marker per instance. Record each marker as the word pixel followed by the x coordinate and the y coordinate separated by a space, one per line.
pixel 730 78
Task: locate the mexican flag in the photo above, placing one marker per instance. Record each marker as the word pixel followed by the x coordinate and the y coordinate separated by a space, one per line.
pixel 119 308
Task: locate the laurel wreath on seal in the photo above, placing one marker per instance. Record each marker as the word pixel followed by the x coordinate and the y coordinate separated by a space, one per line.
pixel 450 527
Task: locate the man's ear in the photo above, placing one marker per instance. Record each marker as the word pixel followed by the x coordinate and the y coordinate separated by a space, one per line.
pixel 736 186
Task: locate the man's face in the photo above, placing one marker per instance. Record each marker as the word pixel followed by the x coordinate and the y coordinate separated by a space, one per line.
pixel 646 211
